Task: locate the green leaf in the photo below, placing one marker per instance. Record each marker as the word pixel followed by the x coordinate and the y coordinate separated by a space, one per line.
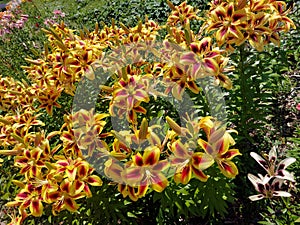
pixel 129 214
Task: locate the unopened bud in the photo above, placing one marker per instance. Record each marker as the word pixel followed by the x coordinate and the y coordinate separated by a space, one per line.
pixel 143 129
pixel 174 126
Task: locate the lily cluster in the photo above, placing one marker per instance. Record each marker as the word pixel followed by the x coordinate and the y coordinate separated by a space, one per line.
pixel 181 153
pixel 51 175
pixel 256 21
pixel 139 158
pixel 277 180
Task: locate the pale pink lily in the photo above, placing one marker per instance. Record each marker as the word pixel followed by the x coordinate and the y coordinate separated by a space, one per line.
pixel 269 164
pixel 266 190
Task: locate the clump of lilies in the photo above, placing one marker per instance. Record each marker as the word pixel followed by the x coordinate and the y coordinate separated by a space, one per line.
pixel 142 157
pixel 259 22
pixel 277 182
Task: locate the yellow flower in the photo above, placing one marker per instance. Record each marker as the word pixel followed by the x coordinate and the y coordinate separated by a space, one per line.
pixel 217 146
pixel 188 163
pixel 227 21
pixel 146 170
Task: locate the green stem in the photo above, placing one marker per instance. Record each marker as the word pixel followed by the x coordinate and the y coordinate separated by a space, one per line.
pixel 244 88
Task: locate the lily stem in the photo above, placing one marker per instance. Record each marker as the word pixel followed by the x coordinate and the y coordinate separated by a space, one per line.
pixel 243 78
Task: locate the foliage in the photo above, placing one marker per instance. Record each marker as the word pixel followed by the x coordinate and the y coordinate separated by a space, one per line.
pixel 151 151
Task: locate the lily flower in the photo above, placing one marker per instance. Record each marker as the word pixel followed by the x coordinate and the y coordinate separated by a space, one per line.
pixel 29 197
pixel 128 96
pixel 204 59
pixel 266 190
pixel 257 29
pixel 188 162
pixel 181 14
pixel 87 130
pixel 217 145
pixel 70 146
pixel 30 162
pixel 114 170
pixel 145 171
pixel 269 164
pixel 48 96
pixel 64 198
pixel 227 21
pixel 85 178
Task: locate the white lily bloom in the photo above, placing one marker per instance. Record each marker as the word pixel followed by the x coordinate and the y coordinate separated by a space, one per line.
pixel 266 190
pixel 269 165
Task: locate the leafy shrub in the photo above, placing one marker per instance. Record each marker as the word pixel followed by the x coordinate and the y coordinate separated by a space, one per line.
pixel 74 60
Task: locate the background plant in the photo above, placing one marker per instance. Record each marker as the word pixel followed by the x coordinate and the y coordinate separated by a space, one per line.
pixel 261 84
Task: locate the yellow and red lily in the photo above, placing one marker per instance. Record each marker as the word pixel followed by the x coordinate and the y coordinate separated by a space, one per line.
pixel 206 60
pixel 70 146
pixel 217 146
pixel 64 198
pixel 29 197
pixel 48 96
pixel 128 96
pixel 114 170
pixel 181 14
pixel 227 20
pixel 188 163
pixel 85 178
pixel 30 162
pixel 146 171
pixel 257 30
pixel 87 131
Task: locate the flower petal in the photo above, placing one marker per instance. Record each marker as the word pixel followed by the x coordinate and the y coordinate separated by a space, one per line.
pixel 142 190
pixel 161 165
pixel 230 154
pixel 283 174
pixel 138 159
pixel 228 168
pixel 285 163
pixel 281 193
pixel 159 182
pixel 151 155
pixel 206 146
pixel 260 160
pixel 70 204
pixel 179 150
pixel 36 208
pixel 199 174
pixel 133 175
pixel 211 65
pixel 256 197
pixel 184 175
pixel 188 58
pixel 94 180
pixel 273 155
pixel 202 161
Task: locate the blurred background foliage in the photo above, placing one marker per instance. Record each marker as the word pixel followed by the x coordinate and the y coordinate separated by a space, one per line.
pixel 261 106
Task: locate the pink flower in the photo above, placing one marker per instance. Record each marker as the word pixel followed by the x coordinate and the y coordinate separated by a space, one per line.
pixel 49 22
pixel 265 189
pixel 24 17
pixel 298 107
pixel 58 12
pixel 273 168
